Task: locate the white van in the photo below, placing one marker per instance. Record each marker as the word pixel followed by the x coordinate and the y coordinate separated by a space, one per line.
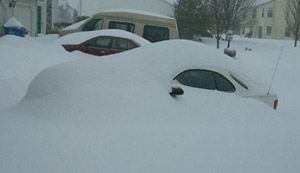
pixel 152 27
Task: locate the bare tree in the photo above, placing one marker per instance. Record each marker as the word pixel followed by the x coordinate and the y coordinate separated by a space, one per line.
pixel 65 13
pixel 228 14
pixel 192 17
pixel 292 17
pixel 235 11
pixel 217 10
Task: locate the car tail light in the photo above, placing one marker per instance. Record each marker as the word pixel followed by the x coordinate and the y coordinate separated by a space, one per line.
pixel 275 104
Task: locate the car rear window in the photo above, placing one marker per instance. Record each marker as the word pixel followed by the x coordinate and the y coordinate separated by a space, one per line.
pixel 240 82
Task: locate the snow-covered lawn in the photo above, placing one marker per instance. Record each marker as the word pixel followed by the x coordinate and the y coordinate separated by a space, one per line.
pixel 73 112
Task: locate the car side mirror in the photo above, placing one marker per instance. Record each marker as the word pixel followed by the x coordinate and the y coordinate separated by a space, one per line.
pixel 176 91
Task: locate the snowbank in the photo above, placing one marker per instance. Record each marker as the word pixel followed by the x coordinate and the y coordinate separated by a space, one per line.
pixel 114 114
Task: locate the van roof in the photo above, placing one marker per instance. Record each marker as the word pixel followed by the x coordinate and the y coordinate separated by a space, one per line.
pixel 137 15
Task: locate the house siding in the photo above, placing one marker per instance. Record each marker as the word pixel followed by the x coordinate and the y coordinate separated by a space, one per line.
pixel 277 21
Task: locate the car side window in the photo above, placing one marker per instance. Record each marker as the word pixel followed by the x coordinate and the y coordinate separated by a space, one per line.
pixel 197 78
pixel 155 33
pixel 99 42
pixel 121 44
pixel 94 24
pixel 122 26
pixel 222 83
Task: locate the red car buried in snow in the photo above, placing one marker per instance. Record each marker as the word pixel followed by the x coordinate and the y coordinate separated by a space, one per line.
pixel 103 42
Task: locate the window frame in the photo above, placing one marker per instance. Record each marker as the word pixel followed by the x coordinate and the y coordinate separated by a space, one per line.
pixel 156 27
pixel 269 31
pixel 270 12
pixel 93 19
pixel 86 43
pixel 128 46
pixel 119 22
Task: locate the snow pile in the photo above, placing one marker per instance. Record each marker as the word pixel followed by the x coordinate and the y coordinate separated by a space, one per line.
pixel 13 22
pixel 114 114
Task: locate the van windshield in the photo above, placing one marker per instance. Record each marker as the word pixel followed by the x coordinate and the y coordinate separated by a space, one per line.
pixel 94 24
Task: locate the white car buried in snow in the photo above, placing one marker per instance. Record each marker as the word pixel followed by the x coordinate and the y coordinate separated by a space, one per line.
pixel 221 80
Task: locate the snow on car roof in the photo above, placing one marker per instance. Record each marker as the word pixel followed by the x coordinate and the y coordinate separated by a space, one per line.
pixel 79 37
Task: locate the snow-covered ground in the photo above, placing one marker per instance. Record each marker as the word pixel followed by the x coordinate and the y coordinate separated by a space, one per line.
pixel 72 112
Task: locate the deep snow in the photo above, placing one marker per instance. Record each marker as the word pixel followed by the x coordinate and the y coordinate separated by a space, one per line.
pixel 88 114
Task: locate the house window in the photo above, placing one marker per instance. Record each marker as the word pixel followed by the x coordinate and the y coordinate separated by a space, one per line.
pixel 243 30
pixel 287 32
pixel 268 31
pixel 270 12
pixel 263 12
pixel 39 19
pixel 254 14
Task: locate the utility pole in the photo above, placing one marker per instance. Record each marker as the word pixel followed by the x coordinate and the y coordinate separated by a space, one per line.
pixel 12 5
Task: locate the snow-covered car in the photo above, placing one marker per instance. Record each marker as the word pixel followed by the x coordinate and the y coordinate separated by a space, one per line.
pixel 102 42
pixel 195 65
pixel 213 78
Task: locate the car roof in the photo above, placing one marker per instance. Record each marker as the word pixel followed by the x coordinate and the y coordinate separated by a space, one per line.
pixel 80 37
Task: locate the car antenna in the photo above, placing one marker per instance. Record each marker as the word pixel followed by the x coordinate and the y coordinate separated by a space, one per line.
pixel 275 69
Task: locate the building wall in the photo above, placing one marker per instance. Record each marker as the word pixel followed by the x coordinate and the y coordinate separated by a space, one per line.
pixel 276 22
pixel 25 12
pixel 90 7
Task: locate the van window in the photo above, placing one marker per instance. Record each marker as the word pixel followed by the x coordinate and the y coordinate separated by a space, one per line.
pixel 121 25
pixel 155 33
pixel 94 24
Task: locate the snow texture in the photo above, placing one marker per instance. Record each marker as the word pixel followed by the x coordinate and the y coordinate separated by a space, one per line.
pixel 13 22
pixel 74 112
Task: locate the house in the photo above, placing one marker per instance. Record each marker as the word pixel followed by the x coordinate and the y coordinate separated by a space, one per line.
pixel 267 20
pixel 90 7
pixel 31 13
